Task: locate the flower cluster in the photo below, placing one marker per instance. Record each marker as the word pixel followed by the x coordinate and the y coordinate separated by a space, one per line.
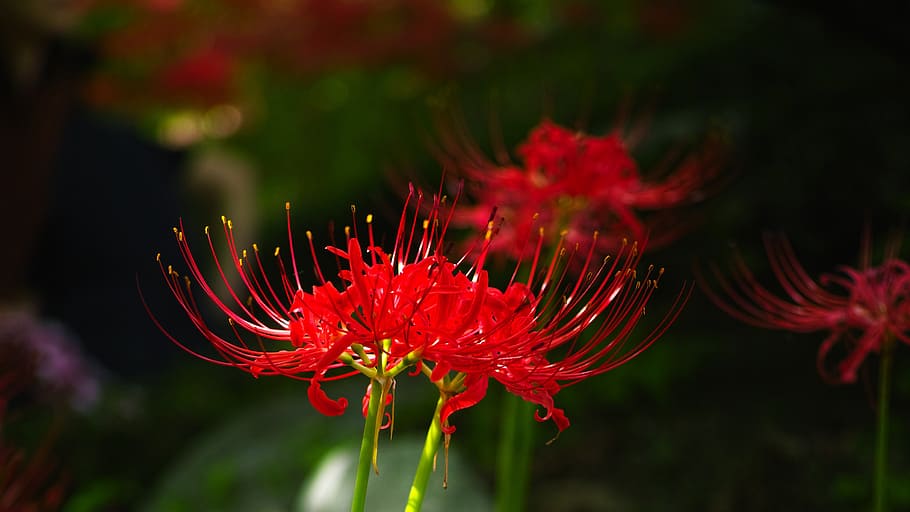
pixel 414 308
pixel 577 182
pixel 861 308
pixel 198 52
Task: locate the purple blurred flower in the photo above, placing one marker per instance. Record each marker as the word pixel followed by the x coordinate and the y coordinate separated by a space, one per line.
pixel 59 364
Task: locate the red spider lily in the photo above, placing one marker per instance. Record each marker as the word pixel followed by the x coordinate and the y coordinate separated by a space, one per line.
pixel 415 307
pixel 575 182
pixel 861 308
pixel 546 345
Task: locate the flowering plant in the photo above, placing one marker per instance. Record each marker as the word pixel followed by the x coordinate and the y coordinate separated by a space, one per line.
pixel 577 182
pixel 573 183
pixel 864 309
pixel 412 308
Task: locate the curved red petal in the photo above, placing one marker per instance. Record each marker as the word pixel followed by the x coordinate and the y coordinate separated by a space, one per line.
pixel 322 403
pixel 440 370
pixel 475 390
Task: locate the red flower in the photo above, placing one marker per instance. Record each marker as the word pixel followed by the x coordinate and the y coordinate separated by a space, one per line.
pixel 194 52
pixel 861 308
pixel 577 182
pixel 540 348
pixel 413 307
pixel 204 74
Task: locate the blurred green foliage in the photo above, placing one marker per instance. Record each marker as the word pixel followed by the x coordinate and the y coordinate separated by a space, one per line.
pixel 715 416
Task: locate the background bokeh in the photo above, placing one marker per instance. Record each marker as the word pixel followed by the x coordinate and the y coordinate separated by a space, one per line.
pixel 118 118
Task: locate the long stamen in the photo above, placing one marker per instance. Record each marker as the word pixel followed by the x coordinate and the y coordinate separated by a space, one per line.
pixel 294 267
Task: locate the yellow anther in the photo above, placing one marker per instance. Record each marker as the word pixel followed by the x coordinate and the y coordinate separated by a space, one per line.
pixel 347 231
pixel 255 248
pixel 287 206
pixel 230 224
pixel 276 250
pixel 595 235
pixel 223 219
pixel 170 269
pixel 309 234
pixel 158 257
pixel 206 230
pixel 489 234
pixel 426 223
pixel 244 253
pixel 180 236
pixel 369 218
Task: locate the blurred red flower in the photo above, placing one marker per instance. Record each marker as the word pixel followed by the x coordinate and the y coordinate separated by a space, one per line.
pixel 860 308
pixel 575 182
pixel 199 53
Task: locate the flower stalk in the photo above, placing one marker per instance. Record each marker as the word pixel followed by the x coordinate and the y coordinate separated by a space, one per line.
pixel 514 456
pixel 367 447
pixel 864 309
pixel 427 460
pixel 880 495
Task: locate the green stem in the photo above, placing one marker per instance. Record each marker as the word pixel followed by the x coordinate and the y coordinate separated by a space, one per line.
pixel 427 457
pixel 514 462
pixel 881 439
pixel 367 446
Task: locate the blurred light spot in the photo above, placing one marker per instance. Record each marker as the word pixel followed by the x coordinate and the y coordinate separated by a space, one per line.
pixel 222 121
pixel 187 127
pixel 332 480
pixel 180 129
